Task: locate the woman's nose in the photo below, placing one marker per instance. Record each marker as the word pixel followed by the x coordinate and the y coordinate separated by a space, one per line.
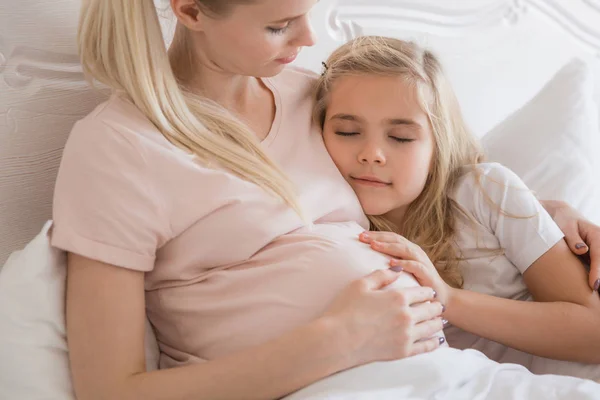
pixel 306 36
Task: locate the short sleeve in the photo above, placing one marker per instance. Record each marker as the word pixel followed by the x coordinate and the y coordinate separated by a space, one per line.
pixel 510 210
pixel 106 206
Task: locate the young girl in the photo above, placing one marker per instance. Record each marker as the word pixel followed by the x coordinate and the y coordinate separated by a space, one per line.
pixel 393 127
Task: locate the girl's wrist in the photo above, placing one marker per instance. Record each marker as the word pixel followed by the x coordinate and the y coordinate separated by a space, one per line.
pixel 452 302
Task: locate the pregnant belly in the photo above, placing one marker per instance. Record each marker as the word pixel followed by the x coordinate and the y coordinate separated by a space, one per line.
pixel 286 284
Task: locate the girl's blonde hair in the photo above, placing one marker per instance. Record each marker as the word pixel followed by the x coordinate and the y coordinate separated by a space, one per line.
pixel 430 219
pixel 121 45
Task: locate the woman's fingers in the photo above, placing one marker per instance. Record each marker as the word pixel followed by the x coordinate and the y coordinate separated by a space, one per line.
pixel 427 329
pixel 426 346
pixel 415 296
pixel 378 279
pixel 426 311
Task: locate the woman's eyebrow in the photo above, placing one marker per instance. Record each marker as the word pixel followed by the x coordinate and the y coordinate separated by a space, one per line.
pixel 281 21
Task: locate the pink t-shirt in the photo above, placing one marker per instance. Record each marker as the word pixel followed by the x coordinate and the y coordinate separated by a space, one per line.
pixel 227 265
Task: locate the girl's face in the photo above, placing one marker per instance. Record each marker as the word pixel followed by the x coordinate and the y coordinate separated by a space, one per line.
pixel 255 39
pixel 381 141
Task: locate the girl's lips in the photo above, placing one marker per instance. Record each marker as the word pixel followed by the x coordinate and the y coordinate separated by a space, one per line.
pixel 372 182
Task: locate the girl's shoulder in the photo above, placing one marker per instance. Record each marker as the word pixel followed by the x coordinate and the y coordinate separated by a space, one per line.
pixel 491 189
pixel 489 177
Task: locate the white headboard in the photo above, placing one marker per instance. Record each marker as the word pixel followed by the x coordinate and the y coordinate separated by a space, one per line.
pixel 498 53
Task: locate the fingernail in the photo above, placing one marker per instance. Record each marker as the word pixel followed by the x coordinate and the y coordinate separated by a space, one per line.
pixel 434 294
pixel 596 285
pixel 397 269
pixel 579 246
pixel 442 340
pixel 445 322
pixel 364 235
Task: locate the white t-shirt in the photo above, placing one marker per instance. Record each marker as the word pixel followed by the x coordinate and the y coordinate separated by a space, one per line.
pixel 508 232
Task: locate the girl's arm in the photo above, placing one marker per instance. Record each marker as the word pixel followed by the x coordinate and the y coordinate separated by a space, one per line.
pixel 563 323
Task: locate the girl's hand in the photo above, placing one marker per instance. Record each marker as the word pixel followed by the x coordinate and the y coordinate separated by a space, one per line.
pixel 379 323
pixel 410 258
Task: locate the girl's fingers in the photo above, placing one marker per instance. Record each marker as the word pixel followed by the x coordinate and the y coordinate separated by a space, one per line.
pixel 414 267
pixel 398 250
pixel 389 237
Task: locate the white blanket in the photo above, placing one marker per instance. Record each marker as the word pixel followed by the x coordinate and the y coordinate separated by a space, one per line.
pixel 447 374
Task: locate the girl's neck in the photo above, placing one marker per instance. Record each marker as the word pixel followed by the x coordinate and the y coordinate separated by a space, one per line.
pixel 396 218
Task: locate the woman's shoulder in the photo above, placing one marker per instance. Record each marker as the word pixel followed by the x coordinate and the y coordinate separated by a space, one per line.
pixel 116 125
pixel 299 73
pixel 117 115
pixel 295 82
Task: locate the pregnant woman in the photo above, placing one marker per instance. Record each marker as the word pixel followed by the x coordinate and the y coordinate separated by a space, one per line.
pixel 201 194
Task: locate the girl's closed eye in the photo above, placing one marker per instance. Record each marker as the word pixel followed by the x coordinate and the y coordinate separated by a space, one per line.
pixel 346 133
pixel 402 139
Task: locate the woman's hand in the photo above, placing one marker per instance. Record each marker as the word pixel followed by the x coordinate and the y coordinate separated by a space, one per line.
pixel 410 258
pixel 380 323
pixel 582 236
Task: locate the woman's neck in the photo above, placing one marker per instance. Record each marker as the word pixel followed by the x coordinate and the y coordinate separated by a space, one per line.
pixel 234 92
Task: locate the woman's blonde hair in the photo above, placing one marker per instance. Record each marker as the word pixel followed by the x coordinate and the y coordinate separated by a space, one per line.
pixel 121 45
pixel 430 219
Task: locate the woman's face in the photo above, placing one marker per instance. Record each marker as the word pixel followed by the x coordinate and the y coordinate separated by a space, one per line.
pixel 255 39
pixel 381 141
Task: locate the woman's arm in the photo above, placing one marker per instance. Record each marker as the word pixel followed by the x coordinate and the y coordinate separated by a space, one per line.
pixel 582 236
pixel 105 328
pixel 563 323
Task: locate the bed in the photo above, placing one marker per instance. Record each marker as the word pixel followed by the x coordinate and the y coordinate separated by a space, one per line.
pixel 526 72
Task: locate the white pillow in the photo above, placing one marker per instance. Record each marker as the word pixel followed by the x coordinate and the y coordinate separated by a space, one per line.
pixel 33 349
pixel 553 142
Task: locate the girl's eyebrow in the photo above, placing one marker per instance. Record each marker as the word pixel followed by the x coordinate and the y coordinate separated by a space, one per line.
pixel 347 117
pixel 402 121
pixel 391 121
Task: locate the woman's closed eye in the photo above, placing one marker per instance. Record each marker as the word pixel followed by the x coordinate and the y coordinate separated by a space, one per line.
pixel 278 30
pixel 346 133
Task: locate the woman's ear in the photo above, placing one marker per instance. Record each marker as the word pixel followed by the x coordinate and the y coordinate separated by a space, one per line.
pixel 188 13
